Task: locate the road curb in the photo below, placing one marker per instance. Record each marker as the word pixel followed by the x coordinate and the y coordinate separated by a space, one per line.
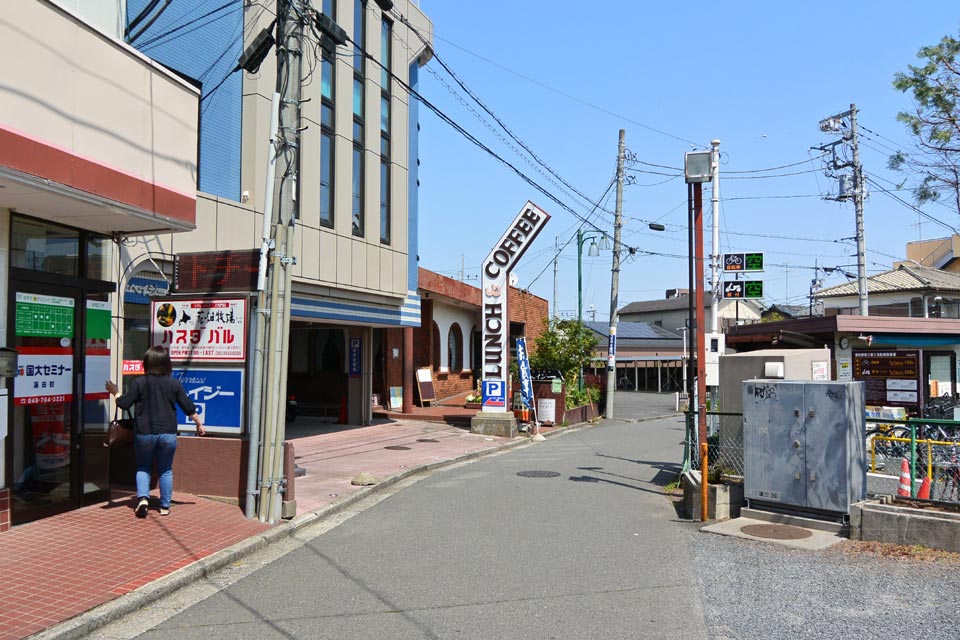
pixel 84 624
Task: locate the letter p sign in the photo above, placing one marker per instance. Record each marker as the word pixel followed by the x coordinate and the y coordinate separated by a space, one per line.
pixel 494 393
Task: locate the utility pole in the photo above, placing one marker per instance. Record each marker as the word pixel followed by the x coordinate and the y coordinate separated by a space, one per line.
pixel 858 205
pixel 715 253
pixel 834 124
pixel 556 256
pixel 289 59
pixel 615 280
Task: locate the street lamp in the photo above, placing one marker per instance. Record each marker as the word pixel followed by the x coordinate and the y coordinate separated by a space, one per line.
pixel 594 252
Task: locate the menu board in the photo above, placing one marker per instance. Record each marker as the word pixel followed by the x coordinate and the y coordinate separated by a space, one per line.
pixel 891 378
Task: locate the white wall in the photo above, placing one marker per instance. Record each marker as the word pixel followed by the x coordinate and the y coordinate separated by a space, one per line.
pixel 445 316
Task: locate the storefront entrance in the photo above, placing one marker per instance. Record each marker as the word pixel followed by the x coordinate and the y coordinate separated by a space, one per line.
pixel 60 325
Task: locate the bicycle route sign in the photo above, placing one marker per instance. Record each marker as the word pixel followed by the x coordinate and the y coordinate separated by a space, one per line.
pixel 743 261
pixel 751 289
pixel 891 378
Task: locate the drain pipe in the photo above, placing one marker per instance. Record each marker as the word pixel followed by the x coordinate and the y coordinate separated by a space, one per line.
pixel 256 387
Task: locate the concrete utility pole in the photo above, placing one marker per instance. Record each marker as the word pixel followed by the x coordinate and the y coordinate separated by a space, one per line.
pixel 289 59
pixel 556 256
pixel 858 205
pixel 615 281
pixel 835 124
pixel 715 252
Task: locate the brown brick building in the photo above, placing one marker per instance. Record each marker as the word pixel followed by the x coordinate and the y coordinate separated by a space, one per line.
pixel 448 341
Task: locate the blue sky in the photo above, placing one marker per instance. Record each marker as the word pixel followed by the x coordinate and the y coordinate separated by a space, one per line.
pixel 566 76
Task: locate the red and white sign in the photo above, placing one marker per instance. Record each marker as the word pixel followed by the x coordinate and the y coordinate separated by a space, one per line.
pixel 44 375
pixel 133 367
pixel 201 329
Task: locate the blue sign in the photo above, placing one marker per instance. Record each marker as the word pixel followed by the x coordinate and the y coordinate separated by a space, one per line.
pixel 523 365
pixel 355 360
pixel 218 394
pixel 494 393
pixel 140 290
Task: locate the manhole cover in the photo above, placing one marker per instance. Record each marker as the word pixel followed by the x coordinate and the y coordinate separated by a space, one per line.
pixel 538 474
pixel 776 531
pixel 426 440
pixel 397 447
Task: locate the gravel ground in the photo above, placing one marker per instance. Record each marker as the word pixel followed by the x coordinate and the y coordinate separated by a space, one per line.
pixel 852 590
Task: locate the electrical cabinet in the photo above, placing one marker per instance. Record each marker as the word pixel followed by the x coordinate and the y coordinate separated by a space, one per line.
pixel 804 444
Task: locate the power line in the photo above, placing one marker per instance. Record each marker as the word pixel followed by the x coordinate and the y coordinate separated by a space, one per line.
pixel 913 208
pixel 155 39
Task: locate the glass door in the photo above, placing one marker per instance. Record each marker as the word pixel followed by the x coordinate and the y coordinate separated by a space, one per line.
pixel 44 429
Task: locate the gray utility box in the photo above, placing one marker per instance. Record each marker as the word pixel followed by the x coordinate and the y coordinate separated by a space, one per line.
pixel 804 444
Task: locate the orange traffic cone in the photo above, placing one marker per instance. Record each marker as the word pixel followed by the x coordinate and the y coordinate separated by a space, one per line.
pixel 905 484
pixel 924 491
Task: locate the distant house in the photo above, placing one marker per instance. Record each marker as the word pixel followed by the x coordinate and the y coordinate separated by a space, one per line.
pixel 776 312
pixel 648 356
pixel 672 312
pixel 909 290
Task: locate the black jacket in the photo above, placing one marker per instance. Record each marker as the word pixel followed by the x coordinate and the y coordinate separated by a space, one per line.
pixel 154 398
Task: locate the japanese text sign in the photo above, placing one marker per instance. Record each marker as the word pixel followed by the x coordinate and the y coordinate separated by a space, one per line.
pixel 218 396
pixel 201 329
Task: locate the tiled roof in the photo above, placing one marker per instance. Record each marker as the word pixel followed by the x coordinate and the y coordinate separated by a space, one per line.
pixel 903 278
pixel 634 331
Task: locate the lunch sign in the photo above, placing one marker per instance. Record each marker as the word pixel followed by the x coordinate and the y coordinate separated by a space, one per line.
pixel 496 321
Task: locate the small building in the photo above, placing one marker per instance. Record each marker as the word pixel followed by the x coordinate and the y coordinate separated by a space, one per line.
pixel 673 311
pixel 908 290
pixel 649 357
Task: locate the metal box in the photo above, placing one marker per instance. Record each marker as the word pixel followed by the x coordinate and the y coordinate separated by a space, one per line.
pixel 804 444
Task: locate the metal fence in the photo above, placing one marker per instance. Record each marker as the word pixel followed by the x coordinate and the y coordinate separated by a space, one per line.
pixel 918 454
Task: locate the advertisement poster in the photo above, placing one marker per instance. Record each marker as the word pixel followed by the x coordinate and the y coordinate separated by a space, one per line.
pixel 44 316
pixel 201 329
pixel 44 375
pixel 218 394
pixel 51 442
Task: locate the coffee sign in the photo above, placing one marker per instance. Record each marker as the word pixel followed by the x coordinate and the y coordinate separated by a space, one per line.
pixel 496 323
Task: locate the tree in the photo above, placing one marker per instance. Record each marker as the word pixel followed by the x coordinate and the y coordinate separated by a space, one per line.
pixel 567 346
pixel 934 161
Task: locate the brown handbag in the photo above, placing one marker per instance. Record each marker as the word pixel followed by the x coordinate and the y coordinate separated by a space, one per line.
pixel 120 430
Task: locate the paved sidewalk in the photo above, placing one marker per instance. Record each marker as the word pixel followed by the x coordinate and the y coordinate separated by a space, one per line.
pixel 68 574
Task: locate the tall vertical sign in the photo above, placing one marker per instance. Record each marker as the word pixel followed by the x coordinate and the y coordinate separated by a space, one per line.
pixel 496 321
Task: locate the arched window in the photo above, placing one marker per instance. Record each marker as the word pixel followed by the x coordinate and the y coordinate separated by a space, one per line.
pixel 435 340
pixel 455 348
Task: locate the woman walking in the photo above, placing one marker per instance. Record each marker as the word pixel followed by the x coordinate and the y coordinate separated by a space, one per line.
pixel 155 395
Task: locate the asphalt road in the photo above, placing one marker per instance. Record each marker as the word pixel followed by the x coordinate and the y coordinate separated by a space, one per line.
pixel 597 551
pixel 476 551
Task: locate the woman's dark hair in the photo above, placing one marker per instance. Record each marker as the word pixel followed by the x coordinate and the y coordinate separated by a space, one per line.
pixel 156 362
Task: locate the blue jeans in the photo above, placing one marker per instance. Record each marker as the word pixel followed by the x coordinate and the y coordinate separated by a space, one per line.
pixel 159 448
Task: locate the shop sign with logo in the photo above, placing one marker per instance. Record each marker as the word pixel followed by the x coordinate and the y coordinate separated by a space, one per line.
pixel 218 395
pixel 201 329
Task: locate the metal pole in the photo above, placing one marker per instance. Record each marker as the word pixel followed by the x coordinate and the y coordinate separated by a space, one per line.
pixel 858 205
pixel 701 343
pixel 615 281
pixel 715 223
pixel 289 58
pixel 255 421
pixel 691 320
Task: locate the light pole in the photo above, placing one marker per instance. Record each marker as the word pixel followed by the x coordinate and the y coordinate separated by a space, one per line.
pixel 594 252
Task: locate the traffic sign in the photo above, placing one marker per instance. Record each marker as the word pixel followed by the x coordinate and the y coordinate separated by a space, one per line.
pixel 743 261
pixel 733 261
pixel 743 289
pixel 733 289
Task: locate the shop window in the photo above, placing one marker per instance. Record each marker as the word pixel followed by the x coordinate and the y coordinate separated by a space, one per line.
pixel 455 348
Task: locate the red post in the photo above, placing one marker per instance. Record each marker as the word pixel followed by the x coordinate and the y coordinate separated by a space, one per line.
pixel 701 339
pixel 408 381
